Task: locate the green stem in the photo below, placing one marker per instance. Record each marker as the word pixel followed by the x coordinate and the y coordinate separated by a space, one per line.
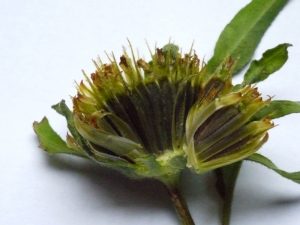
pixel 178 200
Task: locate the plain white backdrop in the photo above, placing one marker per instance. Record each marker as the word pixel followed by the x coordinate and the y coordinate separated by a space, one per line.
pixel 44 45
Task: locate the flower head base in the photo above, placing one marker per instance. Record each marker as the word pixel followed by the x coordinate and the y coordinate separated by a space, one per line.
pixel 159 116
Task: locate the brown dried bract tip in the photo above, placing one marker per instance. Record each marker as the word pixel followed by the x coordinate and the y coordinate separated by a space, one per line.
pixel 123 61
pixel 107 69
pixel 95 76
pixel 255 93
pixel 93 122
pixel 160 57
pixel 144 65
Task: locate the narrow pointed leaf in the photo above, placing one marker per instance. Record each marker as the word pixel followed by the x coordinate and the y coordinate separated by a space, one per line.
pixel 268 163
pixel 63 110
pixel 226 180
pixel 242 35
pixel 277 109
pixel 271 61
pixel 50 141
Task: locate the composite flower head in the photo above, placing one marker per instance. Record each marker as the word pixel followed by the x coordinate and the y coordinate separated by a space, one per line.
pixel 151 119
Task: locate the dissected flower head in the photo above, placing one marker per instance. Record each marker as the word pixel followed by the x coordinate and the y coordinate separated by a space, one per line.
pixel 161 115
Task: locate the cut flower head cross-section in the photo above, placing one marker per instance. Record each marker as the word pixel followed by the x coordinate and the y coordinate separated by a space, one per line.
pixel 154 118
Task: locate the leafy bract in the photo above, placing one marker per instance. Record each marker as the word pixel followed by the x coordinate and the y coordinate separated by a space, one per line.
pixel 50 141
pixel 63 110
pixel 241 36
pixel 277 109
pixel 226 180
pixel 271 61
pixel 268 163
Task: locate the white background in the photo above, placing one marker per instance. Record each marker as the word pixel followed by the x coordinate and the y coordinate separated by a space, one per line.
pixel 44 45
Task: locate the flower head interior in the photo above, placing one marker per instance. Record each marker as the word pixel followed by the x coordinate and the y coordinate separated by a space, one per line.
pixel 169 108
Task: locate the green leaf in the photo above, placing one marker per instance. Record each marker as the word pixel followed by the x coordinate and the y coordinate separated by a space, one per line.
pixel 226 180
pixel 268 163
pixel 50 141
pixel 242 35
pixel 271 61
pixel 277 109
pixel 63 110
